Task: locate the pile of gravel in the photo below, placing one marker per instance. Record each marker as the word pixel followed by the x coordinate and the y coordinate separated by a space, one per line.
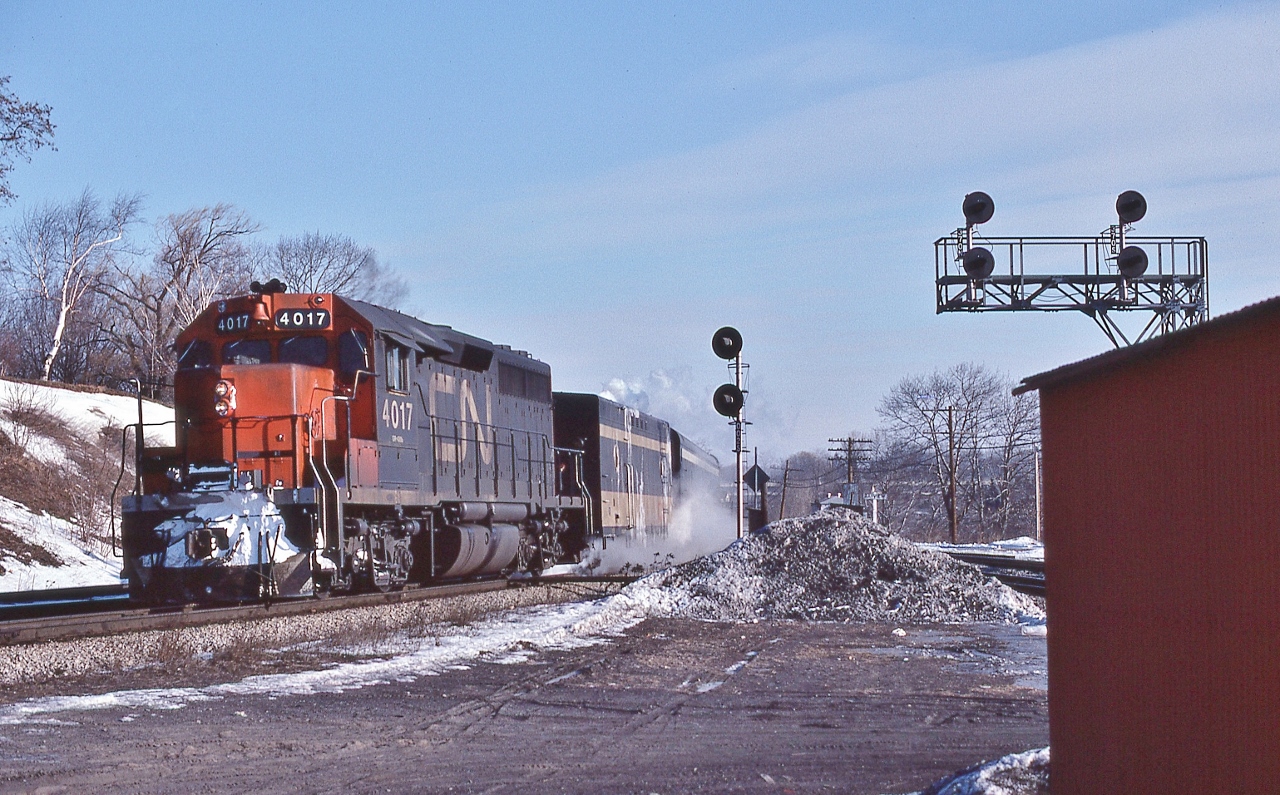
pixel 834 565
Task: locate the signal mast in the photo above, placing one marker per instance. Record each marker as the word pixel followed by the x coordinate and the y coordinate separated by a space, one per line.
pixel 729 400
pixel 1114 276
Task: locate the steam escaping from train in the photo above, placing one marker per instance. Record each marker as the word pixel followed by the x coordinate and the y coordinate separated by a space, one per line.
pixel 701 523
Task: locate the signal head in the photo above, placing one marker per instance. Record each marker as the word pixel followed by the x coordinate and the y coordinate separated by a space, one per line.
pixel 1132 262
pixel 728 400
pixel 1131 206
pixel 979 262
pixel 727 342
pixel 978 208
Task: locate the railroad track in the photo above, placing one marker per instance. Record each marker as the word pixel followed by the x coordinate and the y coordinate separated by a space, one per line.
pixel 33 616
pixel 1019 574
pixel 51 602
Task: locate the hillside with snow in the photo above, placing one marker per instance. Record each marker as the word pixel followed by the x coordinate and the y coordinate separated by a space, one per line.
pixel 60 453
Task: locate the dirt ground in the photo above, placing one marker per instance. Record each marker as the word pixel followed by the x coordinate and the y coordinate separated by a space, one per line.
pixel 674 706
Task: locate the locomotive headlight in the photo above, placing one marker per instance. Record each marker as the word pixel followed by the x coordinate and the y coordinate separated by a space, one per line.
pixel 225 391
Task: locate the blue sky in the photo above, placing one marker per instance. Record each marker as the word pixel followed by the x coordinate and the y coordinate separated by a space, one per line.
pixel 606 184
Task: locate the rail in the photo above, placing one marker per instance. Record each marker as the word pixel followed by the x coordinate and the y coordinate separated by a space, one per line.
pixel 1020 574
pixel 78 617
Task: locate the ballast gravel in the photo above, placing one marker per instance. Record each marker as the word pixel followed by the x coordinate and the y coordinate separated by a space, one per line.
pixel 834 565
pixel 355 632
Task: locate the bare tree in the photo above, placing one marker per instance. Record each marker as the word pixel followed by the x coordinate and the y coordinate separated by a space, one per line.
pixel 59 254
pixel 974 440
pixel 24 128
pixel 1014 438
pixel 202 255
pixel 316 263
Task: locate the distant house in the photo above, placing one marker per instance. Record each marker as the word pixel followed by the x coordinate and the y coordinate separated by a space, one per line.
pixel 1162 555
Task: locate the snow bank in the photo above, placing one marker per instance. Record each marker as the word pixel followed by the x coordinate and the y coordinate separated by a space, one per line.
pixel 1026 773
pixel 65 564
pixel 1022 548
pixel 54 425
pixel 87 413
pixel 831 566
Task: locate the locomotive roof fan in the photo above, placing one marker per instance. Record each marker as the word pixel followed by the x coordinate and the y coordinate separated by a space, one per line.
pixel 978 208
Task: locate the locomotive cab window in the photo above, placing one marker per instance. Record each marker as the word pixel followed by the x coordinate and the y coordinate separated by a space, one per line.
pixel 246 352
pixel 312 351
pixel 353 354
pixel 196 356
pixel 398 359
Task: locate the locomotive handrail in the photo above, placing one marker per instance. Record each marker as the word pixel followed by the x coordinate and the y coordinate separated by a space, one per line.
pixel 487 434
pixel 139 451
pixel 579 481
pixel 340 518
pixel 315 477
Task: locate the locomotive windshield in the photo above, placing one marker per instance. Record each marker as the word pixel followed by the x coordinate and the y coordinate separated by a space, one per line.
pixel 246 352
pixel 312 351
pixel 198 354
pixel 353 353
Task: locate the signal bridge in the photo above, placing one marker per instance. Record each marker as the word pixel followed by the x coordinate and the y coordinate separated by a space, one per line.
pixel 1167 277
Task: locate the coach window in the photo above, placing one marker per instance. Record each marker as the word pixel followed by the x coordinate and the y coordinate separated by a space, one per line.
pixel 246 352
pixel 312 351
pixel 197 355
pixel 397 367
pixel 353 354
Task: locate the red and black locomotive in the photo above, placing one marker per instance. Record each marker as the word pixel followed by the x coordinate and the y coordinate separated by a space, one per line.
pixel 326 444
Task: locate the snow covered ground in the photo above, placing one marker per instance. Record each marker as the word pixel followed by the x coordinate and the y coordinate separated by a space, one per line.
pixel 64 562
pixel 1022 548
pixel 509 638
pixel 1026 773
pixel 38 550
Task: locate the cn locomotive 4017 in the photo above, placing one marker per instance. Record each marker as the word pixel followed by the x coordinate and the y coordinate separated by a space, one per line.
pixel 325 444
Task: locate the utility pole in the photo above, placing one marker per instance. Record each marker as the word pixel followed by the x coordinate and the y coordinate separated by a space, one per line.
pixel 782 503
pixel 850 451
pixel 951 456
pixel 951 465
